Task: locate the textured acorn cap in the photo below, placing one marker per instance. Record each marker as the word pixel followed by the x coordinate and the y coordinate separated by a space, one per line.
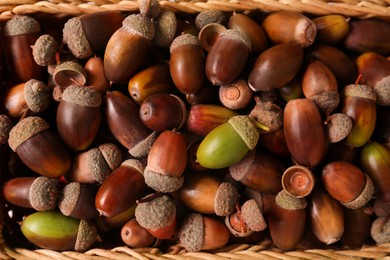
pixel 362 91
pixel 5 127
pixel 43 193
pixel 246 128
pixel 25 129
pixel 82 95
pixel 364 197
pixel 165 28
pixel 139 24
pixel 143 147
pixel 37 95
pixel 382 90
pixel 70 196
pixel 44 50
pixel 86 236
pixel 210 16
pixel 184 39
pixel 74 36
pixel 252 215
pixel 267 113
pixel 239 35
pixel 192 232
pixel 162 183
pixel 225 199
pixel 156 214
pixel 149 8
pixel 239 170
pixel 338 127
pixel 284 200
pixel 69 73
pixel 21 24
pixel 326 101
pixel 254 195
pixel 112 154
pixel 136 164
pixel 380 230
pixel 97 165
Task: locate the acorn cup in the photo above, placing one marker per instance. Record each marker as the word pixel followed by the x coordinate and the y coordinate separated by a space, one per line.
pixel 187 63
pixel 331 29
pixel 298 181
pixel 39 148
pixel 227 57
pixel 209 34
pixel 210 16
pixel 45 49
pixel 337 127
pixel 290 27
pixel 348 184
pixel 19 34
pixel 375 72
pixel 380 231
pixel 6 125
pixel 269 73
pixel 78 116
pixel 135 236
pixel 69 73
pixel 128 48
pixel 166 26
pixel 54 231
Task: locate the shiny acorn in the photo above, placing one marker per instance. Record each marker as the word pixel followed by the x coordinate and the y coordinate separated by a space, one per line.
pixel 357 225
pixel 136 236
pixel 331 29
pixel 95 74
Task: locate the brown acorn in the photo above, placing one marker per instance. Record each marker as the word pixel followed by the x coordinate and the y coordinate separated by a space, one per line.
pixel 39 148
pixel 207 94
pixel 165 28
pixel 264 200
pixel 95 74
pixel 135 236
pixel 275 143
pixel 128 47
pixel 187 63
pixel 227 57
pixel 357 225
pixel 108 223
pixel 331 28
pixel 236 95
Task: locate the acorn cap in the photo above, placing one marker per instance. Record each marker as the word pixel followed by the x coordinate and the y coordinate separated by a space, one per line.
pixel 225 199
pixel 191 233
pixel 5 127
pixel 21 24
pixel 184 39
pixel 69 73
pixel 284 200
pixel 82 95
pixel 326 101
pixel 71 194
pixel 133 163
pixel 25 129
pixel 210 16
pixel 162 183
pixel 380 230
pixel 364 197
pixel 209 34
pixel 246 128
pixel 97 165
pixel 267 113
pixel 156 214
pixel 382 90
pixel 44 50
pixel 149 8
pixel 139 24
pixel 142 148
pixel 165 28
pixel 37 95
pixel 254 195
pixel 298 181
pixel 74 36
pixel 43 193
pixel 362 91
pixel 112 154
pixel 239 170
pixel 239 35
pixel 338 127
pixel 252 215
pixel 86 236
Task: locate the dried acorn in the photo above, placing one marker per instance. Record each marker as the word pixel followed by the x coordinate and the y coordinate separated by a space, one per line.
pixel 210 16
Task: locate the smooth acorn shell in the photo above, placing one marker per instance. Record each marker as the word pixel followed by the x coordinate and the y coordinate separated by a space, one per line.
pixel 216 234
pixel 331 29
pixel 136 236
pixel 357 224
pixel 275 143
pixel 14 101
pixel 95 74
pixel 304 132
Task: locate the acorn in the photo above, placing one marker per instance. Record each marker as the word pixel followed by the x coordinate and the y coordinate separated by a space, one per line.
pixel 20 33
pixel 347 183
pixel 210 16
pixel 259 171
pixel 264 200
pixel 287 220
pixel 298 181
pixel 163 111
pixel 135 236
pixel 227 57
pixel 89 33
pixel 166 162
pixel 209 34
pixel 207 94
pixel 6 125
pixel 187 63
pixel 202 118
pixel 128 48
pixel 268 73
pixel 78 201
pixel 45 49
pixel 331 29
pixel 337 127
pixel 191 157
pixel 275 143
pixel 236 95
pixel 96 78
pixel 206 194
pixel 165 28
pixel 382 128
pixel 54 231
pixel 290 27
pixel 39 148
pixel 151 80
pixel 126 180
pixel 380 231
pixel 79 116
pixel 108 223
pixel 157 215
pixel 228 143
pixel 359 103
pixel 69 73
pixel 302 121
pixel 198 232
pixel 357 225
pixel 39 193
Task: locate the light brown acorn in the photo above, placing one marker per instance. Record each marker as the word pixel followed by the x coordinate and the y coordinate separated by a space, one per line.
pixel 135 236
pixel 95 74
pixel 331 29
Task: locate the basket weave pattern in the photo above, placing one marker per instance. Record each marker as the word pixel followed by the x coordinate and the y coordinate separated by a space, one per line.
pixel 263 250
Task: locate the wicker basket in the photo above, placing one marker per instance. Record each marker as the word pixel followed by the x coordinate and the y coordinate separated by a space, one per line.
pixel 264 249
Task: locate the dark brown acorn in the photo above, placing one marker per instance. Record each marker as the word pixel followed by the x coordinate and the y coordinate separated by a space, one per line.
pixel 275 143
pixel 357 225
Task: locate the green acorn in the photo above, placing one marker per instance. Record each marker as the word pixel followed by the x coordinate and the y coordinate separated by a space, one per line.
pixel 228 143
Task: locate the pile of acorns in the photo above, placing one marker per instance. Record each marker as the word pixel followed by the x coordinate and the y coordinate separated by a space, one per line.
pixel 199 130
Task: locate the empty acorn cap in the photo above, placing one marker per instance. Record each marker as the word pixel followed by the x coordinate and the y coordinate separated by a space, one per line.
pixel 37 95
pixel 210 16
pixel 25 129
pixel 165 28
pixel 362 91
pixel 252 215
pixel 69 73
pixel 239 35
pixel 44 50
pixel 74 36
pixel 284 200
pixel 184 39
pixel 21 24
pixel 149 8
pixel 192 232
pixel 246 128
pixel 86 236
pixel 225 199
pixel 382 90
pixel 162 183
pixel 380 230
pixel 82 95
pixel 338 127
pixel 209 34
pixel 43 193
pixel 364 197
pixel 156 214
pixel 112 154
pixel 5 127
pixel 139 24
pixel 298 181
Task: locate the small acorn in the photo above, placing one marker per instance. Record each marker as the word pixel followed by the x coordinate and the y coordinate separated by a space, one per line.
pixel 136 236
pixel 236 95
pixel 6 125
pixel 331 29
pixel 45 49
pixel 275 143
pixel 96 78
pixel 150 8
